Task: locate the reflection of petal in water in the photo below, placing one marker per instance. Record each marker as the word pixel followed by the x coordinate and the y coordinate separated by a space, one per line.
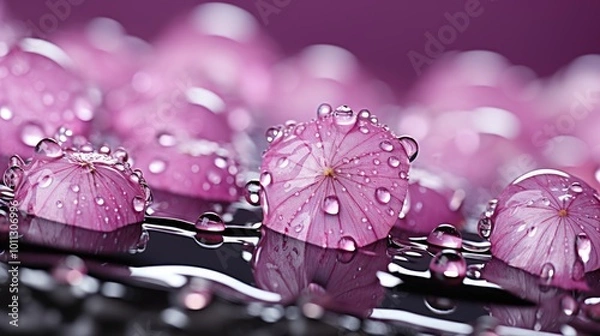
pixel 338 280
pixel 39 231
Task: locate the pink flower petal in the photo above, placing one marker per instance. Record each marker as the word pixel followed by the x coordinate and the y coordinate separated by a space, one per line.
pixel 548 223
pixel 337 180
pixel 322 73
pixel 39 94
pixel 103 53
pixel 84 188
pixel 194 168
pixel 430 202
pixel 340 281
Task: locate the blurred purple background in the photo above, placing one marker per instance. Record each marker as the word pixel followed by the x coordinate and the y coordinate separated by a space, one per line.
pixel 542 35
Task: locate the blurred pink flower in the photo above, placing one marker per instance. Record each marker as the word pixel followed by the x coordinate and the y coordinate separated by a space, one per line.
pixel 431 201
pixel 103 53
pixel 547 223
pixel 224 44
pixel 194 168
pixel 39 94
pixel 322 73
pixel 93 190
pixel 341 281
pixel 336 181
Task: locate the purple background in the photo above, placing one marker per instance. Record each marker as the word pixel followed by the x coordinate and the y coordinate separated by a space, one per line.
pixel 543 35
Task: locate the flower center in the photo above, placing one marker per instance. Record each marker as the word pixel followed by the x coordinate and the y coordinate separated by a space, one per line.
pixel 563 213
pixel 328 172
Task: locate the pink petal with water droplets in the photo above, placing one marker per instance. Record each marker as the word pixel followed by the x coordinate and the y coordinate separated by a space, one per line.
pixel 103 53
pixel 430 202
pixel 329 179
pixel 85 189
pixel 237 55
pixel 194 168
pixel 341 281
pixel 322 73
pixel 540 220
pixel 39 93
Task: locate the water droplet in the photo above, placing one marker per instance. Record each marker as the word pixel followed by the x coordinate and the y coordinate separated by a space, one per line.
pixel 364 114
pixel 583 246
pixel 394 162
pixel 121 155
pixel 6 113
pixel 48 149
pixel 283 162
pixel 448 266
pixel 298 228
pixel 59 204
pixel 252 190
pixel 13 177
pixel 272 133
pixel 75 188
pixel 220 162
pixel 440 305
pixel 386 146
pixel 344 116
pixel 578 270
pixel 474 271
pixel 300 129
pixel 490 208
pixel 16 161
pixel 547 273
pixel 382 195
pixel 99 200
pixel 484 227
pixel 166 139
pixel 331 205
pixel 210 221
pixel 569 305
pixel 576 187
pixel 104 149
pixel 157 166
pixel 531 231
pixel 266 179
pixel 46 179
pixel 31 134
pixel 138 204
pixel 410 146
pixel 445 235
pixel 347 243
pixel 324 110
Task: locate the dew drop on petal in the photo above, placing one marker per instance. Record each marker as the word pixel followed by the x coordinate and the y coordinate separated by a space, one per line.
pixel 331 205
pixel 569 305
pixel 121 155
pixel 448 266
pixel 445 235
pixel 252 192
pixel 266 179
pixel 410 146
pixel 157 166
pixel 31 134
pixel 210 221
pixel 386 146
pixel 99 200
pixel 166 139
pixel 75 188
pixel 324 110
pixel 283 162
pixel 45 180
pixel 48 149
pixel 382 195
pixel 364 114
pixel 547 273
pixel 138 204
pixel 583 246
pixel 59 204
pixel 272 133
pixel 576 187
pixel 13 176
pixel 394 162
pixel 347 243
pixel 484 227
pixel 5 113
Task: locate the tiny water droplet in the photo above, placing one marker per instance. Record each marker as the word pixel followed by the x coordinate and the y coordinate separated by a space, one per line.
pixel 104 149
pixel 583 246
pixel 6 113
pixel 121 155
pixel 265 179
pixel 300 129
pixel 363 130
pixel 252 192
pixel 75 188
pixel 138 204
pixel 411 147
pixel 283 162
pixel 298 228
pixel 59 204
pixel 48 149
pixel 485 227
pixel 31 133
pixel 99 200
pixel 45 180
pixel 394 162
pixel 347 243
pixel 272 133
pixel 166 139
pixel 448 266
pixel 386 146
pixel 13 177
pixel 364 114
pixel 210 221
pixel 474 271
pixel 331 205
pixel 547 273
pixel 344 116
pixel 157 166
pixel 445 235
pixel 382 195
pixel 569 305
pixel 324 110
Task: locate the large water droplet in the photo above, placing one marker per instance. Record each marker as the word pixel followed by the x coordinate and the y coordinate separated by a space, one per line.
pixel 445 235
pixel 324 110
pixel 448 266
pixel 410 146
pixel 440 305
pixel 576 187
pixel 252 192
pixel 382 195
pixel 266 179
pixel 386 146
pixel 578 270
pixel 347 243
pixel 157 166
pixel 272 133
pixel 583 246
pixel 16 161
pixel 484 227
pixel 13 177
pixel 210 221
pixel 344 116
pixel 331 205
pixel 138 204
pixel 32 133
pixel 121 155
pixel 48 149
